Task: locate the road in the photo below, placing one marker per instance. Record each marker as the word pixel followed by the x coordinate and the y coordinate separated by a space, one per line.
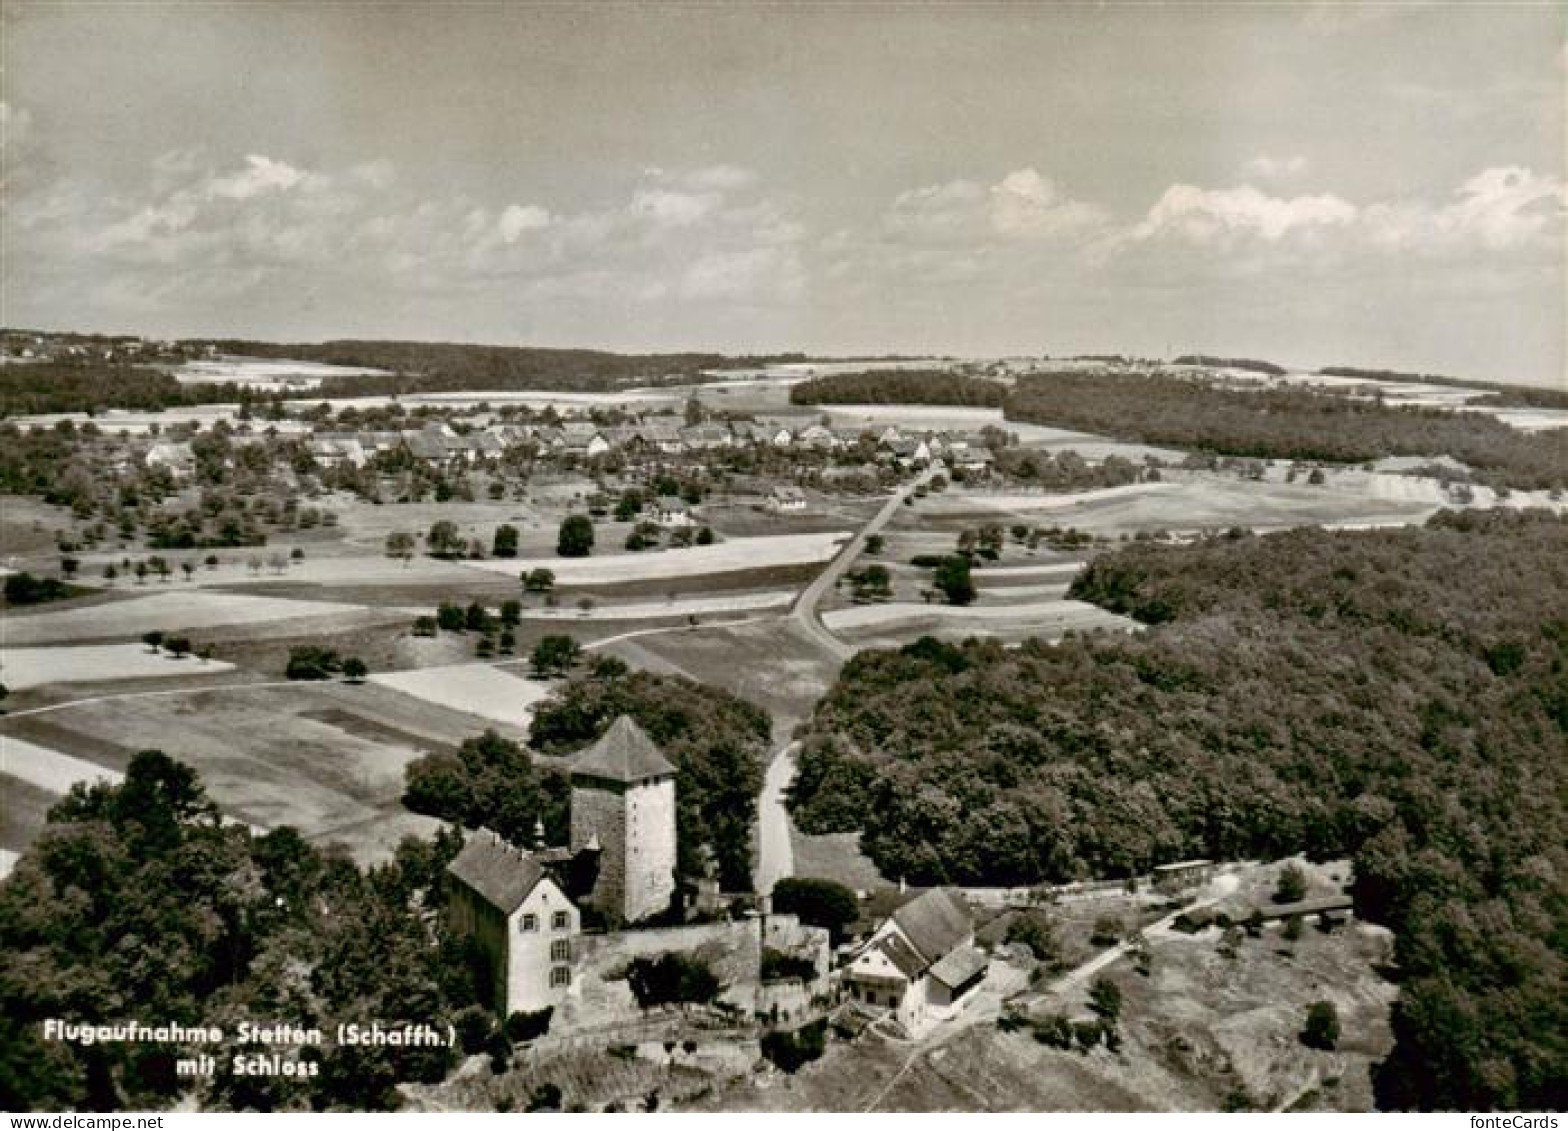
pixel 775 854
pixel 803 613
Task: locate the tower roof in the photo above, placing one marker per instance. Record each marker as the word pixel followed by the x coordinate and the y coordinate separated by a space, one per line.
pixel 624 753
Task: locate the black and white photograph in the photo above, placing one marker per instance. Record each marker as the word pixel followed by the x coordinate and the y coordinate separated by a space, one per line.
pixel 784 557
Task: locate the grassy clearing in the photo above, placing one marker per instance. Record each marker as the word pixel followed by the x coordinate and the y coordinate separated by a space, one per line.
pixel 734 555
pixel 172 610
pixel 477 689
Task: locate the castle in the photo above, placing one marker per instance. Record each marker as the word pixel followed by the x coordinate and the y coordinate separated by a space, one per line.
pixel 522 906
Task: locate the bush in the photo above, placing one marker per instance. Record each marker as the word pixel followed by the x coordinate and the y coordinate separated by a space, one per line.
pixel 575 538
pixel 1292 886
pixel 818 903
pixel 1033 928
pixel 671 978
pixel 308 661
pixel 777 966
pixel 792 1051
pixel 25 589
pixel 1322 1028
pixel 1107 931
pixel 522 1027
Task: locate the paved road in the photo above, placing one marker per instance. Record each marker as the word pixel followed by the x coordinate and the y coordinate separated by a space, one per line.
pixel 803 613
pixel 775 853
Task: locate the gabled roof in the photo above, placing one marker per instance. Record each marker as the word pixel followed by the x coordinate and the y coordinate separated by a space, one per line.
pixel 624 753
pixel 935 922
pixel 959 967
pixel 900 954
pixel 501 874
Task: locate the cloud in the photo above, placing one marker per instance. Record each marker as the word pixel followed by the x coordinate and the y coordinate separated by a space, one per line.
pixel 1498 209
pixel 517 219
pixel 1206 215
pixel 1267 168
pixel 1026 204
pixel 1022 205
pixel 668 208
pixel 260 175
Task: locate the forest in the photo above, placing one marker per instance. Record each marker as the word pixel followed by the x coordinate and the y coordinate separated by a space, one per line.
pixel 138 903
pixel 433 367
pixel 1246 363
pixel 1284 423
pixel 900 386
pixel 93 386
pixel 1400 697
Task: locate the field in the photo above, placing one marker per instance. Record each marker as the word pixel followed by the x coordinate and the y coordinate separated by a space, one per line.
pixel 723 557
pixel 477 689
pixel 22 668
pixel 171 611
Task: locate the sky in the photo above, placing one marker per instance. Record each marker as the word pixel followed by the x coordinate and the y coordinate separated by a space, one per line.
pixel 1314 184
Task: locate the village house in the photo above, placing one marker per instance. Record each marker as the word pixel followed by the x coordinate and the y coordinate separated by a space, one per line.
pixel 785 499
pixel 704 437
pixel 672 513
pixel 175 457
pixel 920 966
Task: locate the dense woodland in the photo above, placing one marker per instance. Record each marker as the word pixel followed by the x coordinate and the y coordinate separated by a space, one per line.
pixel 93 386
pixel 1246 363
pixel 137 904
pixel 900 386
pixel 429 367
pixel 1397 696
pixel 1285 424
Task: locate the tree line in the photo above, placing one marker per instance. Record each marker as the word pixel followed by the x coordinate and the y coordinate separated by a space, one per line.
pixel 1284 423
pixel 900 386
pixel 1397 696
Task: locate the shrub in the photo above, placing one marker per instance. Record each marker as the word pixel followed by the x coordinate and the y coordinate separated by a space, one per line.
pixel 1292 886
pixel 522 1027
pixel 308 661
pixel 671 978
pixel 1322 1028
pixel 792 1051
pixel 818 903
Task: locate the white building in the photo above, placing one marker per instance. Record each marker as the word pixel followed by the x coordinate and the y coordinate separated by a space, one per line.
pixel 920 965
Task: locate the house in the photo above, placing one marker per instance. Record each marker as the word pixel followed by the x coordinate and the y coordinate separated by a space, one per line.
pixel 920 966
pixel 583 438
pixel 1182 875
pixel 702 437
pixel 672 512
pixel 781 437
pixel 177 458
pixel 522 919
pixel 785 499
pixel 818 438
pixel 332 450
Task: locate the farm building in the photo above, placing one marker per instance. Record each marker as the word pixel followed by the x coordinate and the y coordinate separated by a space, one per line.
pixel 921 964
pixel 1182 875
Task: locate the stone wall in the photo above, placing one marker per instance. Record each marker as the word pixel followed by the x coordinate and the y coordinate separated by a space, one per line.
pixel 601 996
pixel 649 867
pixel 601 812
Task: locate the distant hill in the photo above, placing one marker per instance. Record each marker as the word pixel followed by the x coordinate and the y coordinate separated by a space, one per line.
pixel 1247 363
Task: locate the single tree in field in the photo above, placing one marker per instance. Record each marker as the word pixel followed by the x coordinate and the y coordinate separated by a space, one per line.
pixel 953 578
pixel 539 580
pixel 178 646
pixel 554 655
pixel 504 544
pixel 68 566
pixel 575 539
pixel 354 669
pixel 153 639
pixel 140 570
pixel 188 568
pixel 443 540
pixel 511 612
pixel 400 544
pixel 1105 999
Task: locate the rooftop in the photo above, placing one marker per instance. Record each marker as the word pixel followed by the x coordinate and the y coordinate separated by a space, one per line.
pixel 935 923
pixel 502 874
pixel 624 753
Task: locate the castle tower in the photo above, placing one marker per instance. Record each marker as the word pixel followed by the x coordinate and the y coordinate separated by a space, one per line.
pixel 623 803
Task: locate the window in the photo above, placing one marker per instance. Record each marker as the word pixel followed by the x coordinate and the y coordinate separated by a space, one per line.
pixel 560 921
pixel 561 950
pixel 530 923
pixel 560 975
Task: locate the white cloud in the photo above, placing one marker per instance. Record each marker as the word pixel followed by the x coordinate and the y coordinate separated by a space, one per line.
pixel 1027 204
pixel 260 175
pixel 1022 205
pixel 1204 215
pixel 718 178
pixel 517 219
